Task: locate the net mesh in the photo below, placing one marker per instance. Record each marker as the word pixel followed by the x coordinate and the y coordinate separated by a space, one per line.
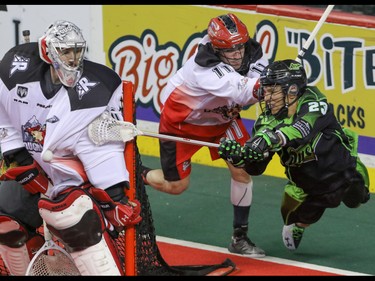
pixel 105 129
pixel 149 261
pixel 52 262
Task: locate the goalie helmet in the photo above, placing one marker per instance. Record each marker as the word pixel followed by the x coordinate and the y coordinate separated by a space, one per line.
pixel 64 47
pixel 290 75
pixel 229 33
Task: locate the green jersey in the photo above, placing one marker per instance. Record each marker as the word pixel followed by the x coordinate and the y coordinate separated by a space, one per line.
pixel 318 155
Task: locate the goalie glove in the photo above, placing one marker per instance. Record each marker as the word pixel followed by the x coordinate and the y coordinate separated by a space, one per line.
pixel 230 150
pixel 120 214
pixel 31 177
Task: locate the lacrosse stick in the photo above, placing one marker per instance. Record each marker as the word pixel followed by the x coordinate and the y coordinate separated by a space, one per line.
pixel 314 32
pixel 106 129
pixel 51 259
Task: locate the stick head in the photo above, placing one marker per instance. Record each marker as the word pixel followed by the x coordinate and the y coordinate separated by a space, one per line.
pixel 52 260
pixel 106 129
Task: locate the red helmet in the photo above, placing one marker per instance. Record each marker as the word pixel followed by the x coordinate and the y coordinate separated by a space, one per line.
pixel 227 31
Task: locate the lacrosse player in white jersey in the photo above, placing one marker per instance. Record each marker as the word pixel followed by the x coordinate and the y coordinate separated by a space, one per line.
pixel 203 101
pixel 49 94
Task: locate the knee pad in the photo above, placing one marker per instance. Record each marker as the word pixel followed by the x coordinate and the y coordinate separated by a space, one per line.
pixel 16 245
pixel 76 219
pixel 241 193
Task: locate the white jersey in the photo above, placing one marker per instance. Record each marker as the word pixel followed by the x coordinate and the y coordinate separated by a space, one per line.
pixel 41 116
pixel 206 91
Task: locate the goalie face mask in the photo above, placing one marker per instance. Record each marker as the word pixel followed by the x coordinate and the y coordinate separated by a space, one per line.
pixel 64 47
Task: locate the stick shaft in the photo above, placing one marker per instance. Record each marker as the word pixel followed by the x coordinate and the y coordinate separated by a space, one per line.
pixel 184 140
pixel 314 32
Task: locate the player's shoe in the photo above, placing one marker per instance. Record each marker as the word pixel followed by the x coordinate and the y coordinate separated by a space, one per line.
pixel 144 171
pixel 292 236
pixel 241 244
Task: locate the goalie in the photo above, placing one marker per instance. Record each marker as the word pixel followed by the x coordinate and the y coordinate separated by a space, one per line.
pixel 320 157
pixel 49 94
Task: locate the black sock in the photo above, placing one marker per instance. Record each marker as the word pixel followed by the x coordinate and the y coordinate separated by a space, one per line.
pixel 241 217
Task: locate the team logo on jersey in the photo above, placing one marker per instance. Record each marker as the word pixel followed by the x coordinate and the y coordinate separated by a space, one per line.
pixel 19 63
pixel 227 112
pixel 242 83
pixel 33 134
pixel 84 86
pixel 22 91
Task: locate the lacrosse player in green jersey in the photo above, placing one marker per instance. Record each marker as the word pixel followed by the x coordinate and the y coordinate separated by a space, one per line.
pixel 319 155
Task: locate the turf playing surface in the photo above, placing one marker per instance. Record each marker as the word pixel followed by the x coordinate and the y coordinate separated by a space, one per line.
pixel 178 253
pixel 342 239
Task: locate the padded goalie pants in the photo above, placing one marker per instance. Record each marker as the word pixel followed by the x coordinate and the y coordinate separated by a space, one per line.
pixel 20 204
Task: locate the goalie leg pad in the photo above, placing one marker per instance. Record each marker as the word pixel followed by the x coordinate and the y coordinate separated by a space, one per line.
pixel 78 222
pixel 16 246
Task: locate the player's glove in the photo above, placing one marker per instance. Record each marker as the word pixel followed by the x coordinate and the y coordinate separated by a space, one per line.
pixel 230 150
pixel 266 140
pixel 250 154
pixel 120 214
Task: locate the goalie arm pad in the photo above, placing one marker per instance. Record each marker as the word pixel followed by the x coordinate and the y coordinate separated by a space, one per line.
pixel 123 213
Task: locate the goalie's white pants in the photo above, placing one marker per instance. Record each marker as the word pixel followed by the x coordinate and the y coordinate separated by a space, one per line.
pixel 94 256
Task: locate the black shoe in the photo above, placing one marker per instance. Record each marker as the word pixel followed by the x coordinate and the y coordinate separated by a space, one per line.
pixel 144 171
pixel 241 244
